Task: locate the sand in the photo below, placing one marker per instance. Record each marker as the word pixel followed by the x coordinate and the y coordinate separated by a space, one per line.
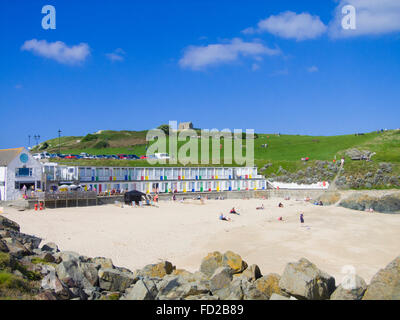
pixel 183 233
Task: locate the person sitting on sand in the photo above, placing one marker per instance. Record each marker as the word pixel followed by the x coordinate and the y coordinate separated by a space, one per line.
pixel 260 208
pixel 320 203
pixel 280 219
pixel 222 217
pixel 233 211
pixel 280 205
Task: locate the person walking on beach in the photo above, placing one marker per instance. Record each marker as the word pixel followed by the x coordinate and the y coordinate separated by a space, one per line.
pixel 301 217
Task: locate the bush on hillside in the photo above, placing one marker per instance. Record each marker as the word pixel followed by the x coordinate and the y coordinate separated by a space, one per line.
pixel 89 137
pixel 101 144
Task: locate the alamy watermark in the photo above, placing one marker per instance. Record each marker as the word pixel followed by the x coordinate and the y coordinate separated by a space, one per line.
pixel 235 150
pixel 49 20
pixel 349 21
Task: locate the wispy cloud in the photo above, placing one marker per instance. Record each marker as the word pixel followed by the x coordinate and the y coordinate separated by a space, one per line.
pixel 18 86
pixel 58 51
pixel 291 25
pixel 312 69
pixel 200 57
pixel 373 17
pixel 117 55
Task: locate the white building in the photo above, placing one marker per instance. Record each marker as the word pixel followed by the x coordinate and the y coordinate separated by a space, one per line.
pixel 18 169
pixel 156 179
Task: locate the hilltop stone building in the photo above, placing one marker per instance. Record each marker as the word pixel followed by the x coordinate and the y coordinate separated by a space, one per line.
pixel 18 169
pixel 185 125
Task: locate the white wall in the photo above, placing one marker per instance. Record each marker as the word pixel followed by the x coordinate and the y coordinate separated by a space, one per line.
pixel 11 192
pixel 2 183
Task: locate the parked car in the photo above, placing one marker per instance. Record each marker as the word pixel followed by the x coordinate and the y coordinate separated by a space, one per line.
pixel 122 156
pixel 162 156
pixel 143 157
pixel 37 156
pixel 71 156
pixel 133 157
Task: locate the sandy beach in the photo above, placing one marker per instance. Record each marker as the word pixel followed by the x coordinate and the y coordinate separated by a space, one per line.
pixel 184 233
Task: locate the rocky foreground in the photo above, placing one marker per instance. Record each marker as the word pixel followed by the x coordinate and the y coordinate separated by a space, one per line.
pixel 45 273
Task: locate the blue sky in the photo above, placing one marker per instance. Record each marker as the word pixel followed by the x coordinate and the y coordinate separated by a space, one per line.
pixel 273 66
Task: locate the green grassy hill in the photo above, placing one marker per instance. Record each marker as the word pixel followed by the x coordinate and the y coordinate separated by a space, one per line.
pixel 281 158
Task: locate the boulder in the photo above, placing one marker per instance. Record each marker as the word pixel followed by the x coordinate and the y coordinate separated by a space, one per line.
pixel 16 248
pixel 103 263
pixel 215 260
pixel 176 288
pixel 46 295
pixel 304 280
pixel 144 289
pixel 158 270
pixel 7 224
pixel 385 285
pixel 234 261
pixel 269 285
pixel 242 289
pixel 252 273
pixel 3 246
pixel 77 274
pixel 211 263
pixel 115 280
pixel 51 247
pixel 221 279
pixel 350 291
pixel 51 282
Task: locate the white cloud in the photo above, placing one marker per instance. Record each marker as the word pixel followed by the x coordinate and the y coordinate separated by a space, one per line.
pixel 312 69
pixel 290 25
pixel 199 57
pixel 58 51
pixel 117 55
pixel 373 17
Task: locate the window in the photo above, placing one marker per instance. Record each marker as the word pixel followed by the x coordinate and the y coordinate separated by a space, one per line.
pixel 23 172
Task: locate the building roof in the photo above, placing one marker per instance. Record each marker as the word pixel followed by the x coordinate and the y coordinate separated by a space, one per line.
pixel 8 155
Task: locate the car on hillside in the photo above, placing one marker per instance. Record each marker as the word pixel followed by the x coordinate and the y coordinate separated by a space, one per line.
pixel 133 157
pixel 71 156
pixel 143 157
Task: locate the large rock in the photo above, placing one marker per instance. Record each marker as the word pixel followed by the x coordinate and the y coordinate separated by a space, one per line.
pixel 385 285
pixel 158 270
pixel 350 291
pixel 215 260
pixel 176 288
pixel 269 285
pixel 7 224
pixel 221 279
pixel 234 261
pixel 77 274
pixel 211 263
pixel 16 248
pixel 304 280
pixel 103 263
pixel 115 280
pixel 3 246
pixel 242 289
pixel 51 282
pixel 144 289
pixel 51 247
pixel 252 273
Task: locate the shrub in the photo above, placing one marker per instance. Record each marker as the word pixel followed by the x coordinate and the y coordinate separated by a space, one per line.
pixel 101 145
pixel 89 137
